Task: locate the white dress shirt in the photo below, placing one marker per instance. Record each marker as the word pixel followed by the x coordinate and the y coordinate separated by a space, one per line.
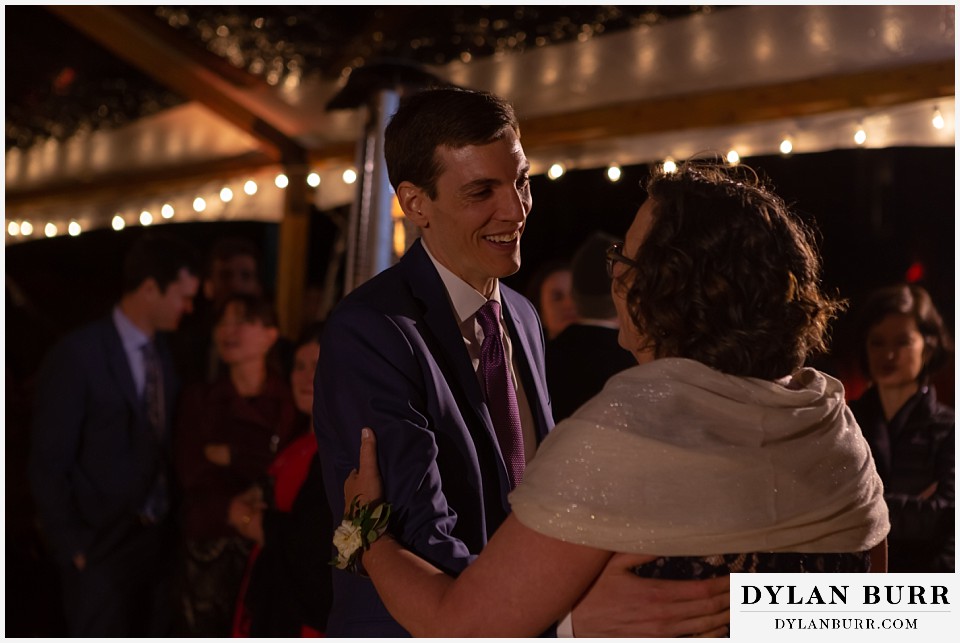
pixel 465 301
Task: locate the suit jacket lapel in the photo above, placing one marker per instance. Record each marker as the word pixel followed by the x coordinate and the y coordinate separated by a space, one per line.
pixel 529 369
pixel 426 286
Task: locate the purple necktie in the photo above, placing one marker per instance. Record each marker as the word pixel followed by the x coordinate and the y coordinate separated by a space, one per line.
pixel 153 389
pixel 501 396
pixel 157 503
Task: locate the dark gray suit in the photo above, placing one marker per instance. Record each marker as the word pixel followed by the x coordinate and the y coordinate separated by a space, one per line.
pixel 94 461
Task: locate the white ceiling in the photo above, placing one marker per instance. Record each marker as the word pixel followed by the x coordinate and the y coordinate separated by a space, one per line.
pixel 740 47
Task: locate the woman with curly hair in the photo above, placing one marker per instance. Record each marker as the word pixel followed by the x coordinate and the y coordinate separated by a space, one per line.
pixel 903 342
pixel 719 452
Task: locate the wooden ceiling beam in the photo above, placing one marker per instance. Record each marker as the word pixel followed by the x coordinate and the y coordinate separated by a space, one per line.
pixel 142 182
pixel 140 39
pixel 863 90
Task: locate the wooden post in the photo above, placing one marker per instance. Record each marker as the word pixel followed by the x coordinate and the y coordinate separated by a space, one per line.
pixel 292 253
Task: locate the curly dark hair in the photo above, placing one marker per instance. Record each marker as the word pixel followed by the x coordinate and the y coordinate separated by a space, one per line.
pixel 913 300
pixel 727 275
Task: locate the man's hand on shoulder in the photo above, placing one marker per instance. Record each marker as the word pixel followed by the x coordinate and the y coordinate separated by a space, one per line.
pixel 620 603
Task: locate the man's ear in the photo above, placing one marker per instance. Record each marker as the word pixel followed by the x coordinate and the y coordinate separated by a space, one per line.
pixel 149 287
pixel 412 201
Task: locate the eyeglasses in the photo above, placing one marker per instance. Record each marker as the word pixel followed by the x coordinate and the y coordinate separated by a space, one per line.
pixel 614 255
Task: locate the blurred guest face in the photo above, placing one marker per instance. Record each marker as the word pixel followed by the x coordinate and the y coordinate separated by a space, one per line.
pixel 236 275
pixel 240 340
pixel 175 301
pixel 895 351
pixel 301 378
pixel 556 302
pixel 630 337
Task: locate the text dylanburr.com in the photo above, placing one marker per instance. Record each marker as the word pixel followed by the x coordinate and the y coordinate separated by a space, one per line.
pixel 844 607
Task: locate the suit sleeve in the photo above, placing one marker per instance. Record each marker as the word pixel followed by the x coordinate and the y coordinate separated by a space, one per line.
pixel 369 376
pixel 58 419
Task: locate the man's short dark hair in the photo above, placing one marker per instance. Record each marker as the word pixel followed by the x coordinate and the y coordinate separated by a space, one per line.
pixel 590 284
pixel 159 257
pixel 451 117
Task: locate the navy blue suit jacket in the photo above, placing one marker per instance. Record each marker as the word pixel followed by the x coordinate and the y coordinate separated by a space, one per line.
pixel 393 358
pixel 94 457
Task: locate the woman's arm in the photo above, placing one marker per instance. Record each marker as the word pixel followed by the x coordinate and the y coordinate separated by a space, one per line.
pixel 522 582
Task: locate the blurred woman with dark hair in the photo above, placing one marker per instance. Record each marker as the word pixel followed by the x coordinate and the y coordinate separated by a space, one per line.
pixel 287 591
pixel 719 452
pixel 911 435
pixel 227 434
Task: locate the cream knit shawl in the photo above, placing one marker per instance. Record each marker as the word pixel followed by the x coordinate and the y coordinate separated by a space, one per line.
pixel 673 458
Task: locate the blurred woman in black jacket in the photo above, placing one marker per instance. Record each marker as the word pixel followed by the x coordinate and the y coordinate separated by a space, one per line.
pixel 910 433
pixel 287 589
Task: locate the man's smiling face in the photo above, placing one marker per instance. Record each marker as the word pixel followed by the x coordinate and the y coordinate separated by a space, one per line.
pixel 474 224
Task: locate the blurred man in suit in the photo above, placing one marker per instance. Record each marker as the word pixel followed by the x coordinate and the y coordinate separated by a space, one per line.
pixel 100 458
pixel 586 353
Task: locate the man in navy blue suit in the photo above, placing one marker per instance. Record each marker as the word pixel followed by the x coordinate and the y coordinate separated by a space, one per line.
pixel 100 456
pixel 402 354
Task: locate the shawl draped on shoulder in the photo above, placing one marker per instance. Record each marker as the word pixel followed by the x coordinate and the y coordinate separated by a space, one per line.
pixel 673 458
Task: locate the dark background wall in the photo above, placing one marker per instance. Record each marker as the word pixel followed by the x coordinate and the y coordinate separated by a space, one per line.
pixel 877 211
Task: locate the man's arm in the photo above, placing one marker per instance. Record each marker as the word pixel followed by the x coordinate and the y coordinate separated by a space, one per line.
pixel 58 419
pixel 369 375
pixel 620 603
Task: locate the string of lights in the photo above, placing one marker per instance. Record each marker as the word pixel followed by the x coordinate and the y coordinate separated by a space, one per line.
pixel 260 197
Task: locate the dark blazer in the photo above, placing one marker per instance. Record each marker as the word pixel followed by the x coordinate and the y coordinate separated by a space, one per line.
pixel 912 451
pixel 392 358
pixel 94 457
pixel 580 360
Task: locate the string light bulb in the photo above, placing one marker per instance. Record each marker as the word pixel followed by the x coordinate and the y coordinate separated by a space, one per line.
pixel 226 195
pixel 199 204
pixel 26 228
pixel 250 187
pixel 167 211
pixel 281 181
pixel 13 229
pixel 118 223
pixel 74 229
pixel 937 119
pixel 786 147
pixel 349 176
pixel 50 229
pixel 146 218
pixel 860 136
pixel 556 171
pixel 313 179
pixel 614 173
pixel 733 157
pixel 669 166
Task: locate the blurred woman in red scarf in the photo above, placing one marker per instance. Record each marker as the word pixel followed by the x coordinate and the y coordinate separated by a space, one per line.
pixel 287 590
